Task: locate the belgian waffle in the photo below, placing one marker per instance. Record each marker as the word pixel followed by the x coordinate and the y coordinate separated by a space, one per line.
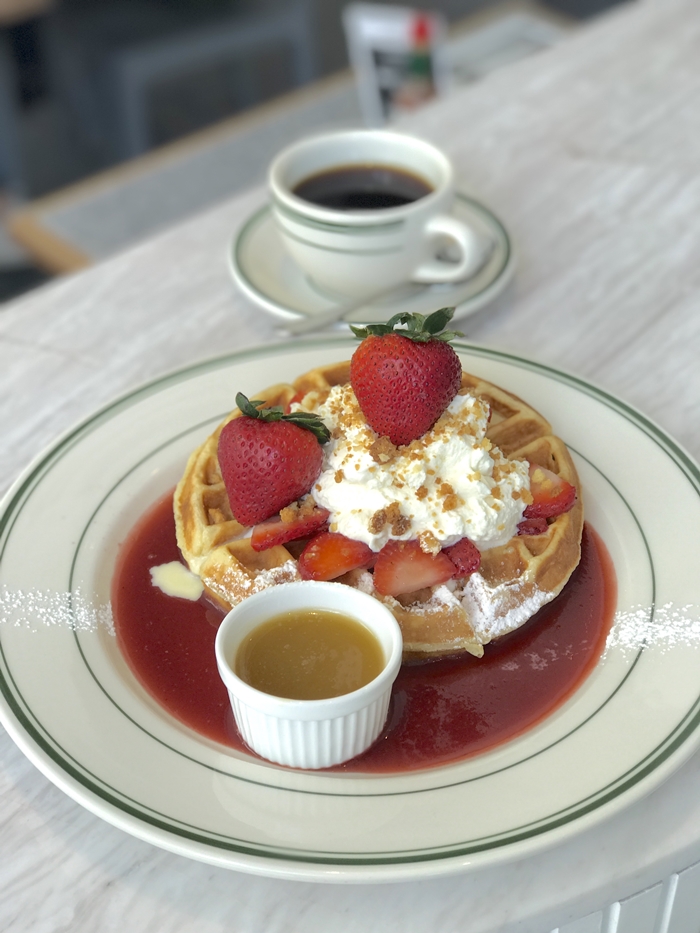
pixel 513 582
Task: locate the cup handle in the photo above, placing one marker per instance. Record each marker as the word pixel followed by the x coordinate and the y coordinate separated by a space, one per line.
pixel 470 247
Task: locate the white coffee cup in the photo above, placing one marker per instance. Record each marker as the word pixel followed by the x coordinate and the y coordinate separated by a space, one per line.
pixel 358 252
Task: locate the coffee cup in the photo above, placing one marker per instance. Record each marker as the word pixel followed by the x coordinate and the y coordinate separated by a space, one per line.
pixel 364 211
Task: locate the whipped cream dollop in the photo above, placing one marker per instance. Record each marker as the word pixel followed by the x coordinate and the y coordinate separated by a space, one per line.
pixel 448 484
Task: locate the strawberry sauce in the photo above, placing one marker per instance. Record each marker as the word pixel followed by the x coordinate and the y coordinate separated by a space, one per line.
pixel 441 711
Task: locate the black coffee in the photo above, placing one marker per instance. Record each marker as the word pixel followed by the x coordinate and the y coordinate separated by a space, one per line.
pixel 362 187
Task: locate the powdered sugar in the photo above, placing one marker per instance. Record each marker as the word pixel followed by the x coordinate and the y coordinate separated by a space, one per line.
pixel 664 628
pixel 234 585
pixel 365 583
pixel 286 573
pixel 496 610
pixel 38 609
pixel 492 610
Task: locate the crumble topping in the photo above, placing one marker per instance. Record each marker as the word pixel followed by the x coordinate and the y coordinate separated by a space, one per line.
pixel 300 509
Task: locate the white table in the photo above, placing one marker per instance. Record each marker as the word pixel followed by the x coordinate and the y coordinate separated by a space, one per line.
pixel 589 153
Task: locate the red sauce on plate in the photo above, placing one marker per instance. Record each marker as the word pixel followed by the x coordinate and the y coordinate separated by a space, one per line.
pixel 441 711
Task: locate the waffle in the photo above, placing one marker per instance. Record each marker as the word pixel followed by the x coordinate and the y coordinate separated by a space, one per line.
pixel 513 582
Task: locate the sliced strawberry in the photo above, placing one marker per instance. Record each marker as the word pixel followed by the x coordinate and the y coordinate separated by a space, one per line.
pixel 465 556
pixel 275 531
pixel 532 526
pixel 330 555
pixel 403 567
pixel 551 495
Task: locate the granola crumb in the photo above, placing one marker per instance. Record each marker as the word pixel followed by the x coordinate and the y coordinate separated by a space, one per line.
pixel 302 508
pixel 428 542
pixel 382 451
pixel 377 521
pixel 391 515
pixel 307 505
pixel 399 523
pixel 289 513
pixel 450 502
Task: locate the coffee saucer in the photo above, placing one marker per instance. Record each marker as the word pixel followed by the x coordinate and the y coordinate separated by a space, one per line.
pixel 269 276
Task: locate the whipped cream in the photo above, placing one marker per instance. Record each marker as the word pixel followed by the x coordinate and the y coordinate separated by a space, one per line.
pixel 449 484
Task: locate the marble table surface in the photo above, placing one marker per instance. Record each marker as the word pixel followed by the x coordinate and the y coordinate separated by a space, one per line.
pixel 589 154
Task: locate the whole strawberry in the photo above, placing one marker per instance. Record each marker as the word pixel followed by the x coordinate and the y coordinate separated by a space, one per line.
pixel 405 379
pixel 269 459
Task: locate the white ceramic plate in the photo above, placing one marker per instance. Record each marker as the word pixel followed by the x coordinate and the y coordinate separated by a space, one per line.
pixel 266 273
pixel 71 704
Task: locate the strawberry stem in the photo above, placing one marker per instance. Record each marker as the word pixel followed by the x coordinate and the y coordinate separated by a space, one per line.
pixel 302 419
pixel 418 327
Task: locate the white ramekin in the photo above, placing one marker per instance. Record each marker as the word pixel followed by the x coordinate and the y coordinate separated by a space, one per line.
pixel 309 733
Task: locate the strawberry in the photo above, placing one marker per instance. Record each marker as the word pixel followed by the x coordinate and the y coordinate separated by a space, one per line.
pixel 532 526
pixel 403 567
pixel 276 531
pixel 465 556
pixel 269 459
pixel 330 555
pixel 405 379
pixel 551 495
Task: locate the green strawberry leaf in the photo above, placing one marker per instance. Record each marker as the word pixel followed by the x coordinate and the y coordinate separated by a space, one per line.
pixel 302 419
pixel 418 327
pixel 371 330
pixel 439 320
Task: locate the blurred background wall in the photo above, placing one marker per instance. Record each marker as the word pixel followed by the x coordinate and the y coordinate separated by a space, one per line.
pixel 88 84
pixel 62 52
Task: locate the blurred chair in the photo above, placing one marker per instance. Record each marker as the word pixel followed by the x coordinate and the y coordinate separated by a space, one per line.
pixel 12 13
pixel 95 218
pixel 110 58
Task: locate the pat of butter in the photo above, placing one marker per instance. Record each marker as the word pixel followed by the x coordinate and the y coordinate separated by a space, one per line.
pixel 174 579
